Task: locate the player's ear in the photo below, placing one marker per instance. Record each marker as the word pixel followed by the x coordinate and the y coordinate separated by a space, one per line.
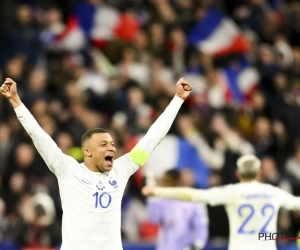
pixel 87 152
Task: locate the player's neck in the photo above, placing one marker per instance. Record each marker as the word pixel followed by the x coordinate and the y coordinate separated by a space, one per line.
pixel 93 168
pixel 247 181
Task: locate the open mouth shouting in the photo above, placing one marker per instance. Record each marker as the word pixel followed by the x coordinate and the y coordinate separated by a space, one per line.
pixel 109 159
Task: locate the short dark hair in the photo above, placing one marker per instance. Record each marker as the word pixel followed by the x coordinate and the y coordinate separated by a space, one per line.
pixel 88 134
pixel 174 174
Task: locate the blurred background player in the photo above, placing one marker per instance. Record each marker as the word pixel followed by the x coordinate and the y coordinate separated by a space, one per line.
pixel 252 207
pixel 183 225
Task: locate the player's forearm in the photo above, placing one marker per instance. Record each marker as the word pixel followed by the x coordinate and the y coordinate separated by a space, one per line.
pixel 156 132
pixel 180 193
pixel 40 138
pixel 161 126
pixel 47 148
pixel 28 121
pixel 15 101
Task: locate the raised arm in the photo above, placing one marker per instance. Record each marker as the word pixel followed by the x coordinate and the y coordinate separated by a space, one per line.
pixel 52 155
pixel 141 152
pixel 212 196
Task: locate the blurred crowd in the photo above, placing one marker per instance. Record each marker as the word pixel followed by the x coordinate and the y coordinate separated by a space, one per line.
pixel 81 64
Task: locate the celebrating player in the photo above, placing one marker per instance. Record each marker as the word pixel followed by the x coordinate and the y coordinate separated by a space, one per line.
pixel 252 207
pixel 91 192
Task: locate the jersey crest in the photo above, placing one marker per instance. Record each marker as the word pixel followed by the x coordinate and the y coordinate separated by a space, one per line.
pixel 100 186
pixel 113 182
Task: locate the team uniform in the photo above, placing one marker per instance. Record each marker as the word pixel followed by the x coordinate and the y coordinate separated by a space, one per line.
pixel 252 208
pixel 182 224
pixel 91 201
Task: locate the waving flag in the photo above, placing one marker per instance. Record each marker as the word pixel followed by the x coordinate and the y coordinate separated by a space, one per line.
pixel 217 34
pixel 176 152
pixel 98 22
pixel 103 23
pixel 69 37
pixel 240 81
pixel 72 38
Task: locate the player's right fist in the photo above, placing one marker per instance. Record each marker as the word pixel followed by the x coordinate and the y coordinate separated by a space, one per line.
pixel 148 190
pixel 8 88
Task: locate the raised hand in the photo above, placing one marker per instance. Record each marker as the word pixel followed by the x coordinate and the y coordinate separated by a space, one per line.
pixel 183 88
pixel 148 190
pixel 9 88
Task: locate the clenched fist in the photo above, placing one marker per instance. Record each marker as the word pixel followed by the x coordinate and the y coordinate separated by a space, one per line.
pixel 9 88
pixel 183 88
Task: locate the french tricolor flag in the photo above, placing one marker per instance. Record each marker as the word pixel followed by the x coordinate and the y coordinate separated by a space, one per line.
pixel 217 34
pixel 69 37
pixel 176 152
pixel 72 38
pixel 97 22
pixel 240 81
pixel 103 23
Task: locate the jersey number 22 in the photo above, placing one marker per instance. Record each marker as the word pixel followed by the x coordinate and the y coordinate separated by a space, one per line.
pixel 267 212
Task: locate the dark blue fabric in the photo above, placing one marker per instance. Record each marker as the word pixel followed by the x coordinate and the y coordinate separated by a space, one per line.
pixel 232 73
pixel 85 14
pixel 205 27
pixel 232 77
pixel 189 158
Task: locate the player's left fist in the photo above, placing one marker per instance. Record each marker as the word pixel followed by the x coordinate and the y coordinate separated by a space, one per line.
pixel 183 88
